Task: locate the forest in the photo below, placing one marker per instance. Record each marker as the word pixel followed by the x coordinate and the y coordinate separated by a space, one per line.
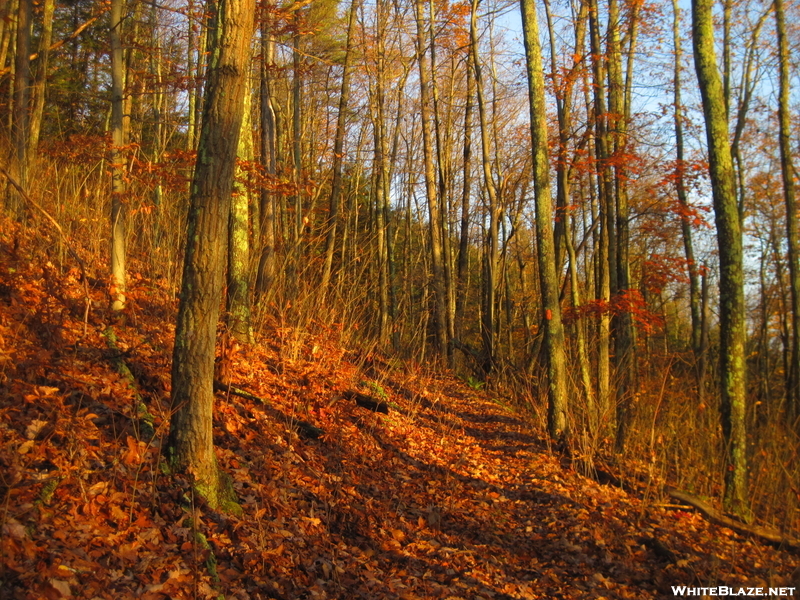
pixel 398 299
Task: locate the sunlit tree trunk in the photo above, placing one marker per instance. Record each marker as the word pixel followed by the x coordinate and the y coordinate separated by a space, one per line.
pixel 442 168
pixel 463 245
pixel 490 281
pixel 434 206
pixel 190 447
pixel 238 296
pixel 554 332
pixel 338 153
pixel 605 202
pixel 624 357
pixel 118 141
pixel 381 169
pixel 729 239
pixel 564 92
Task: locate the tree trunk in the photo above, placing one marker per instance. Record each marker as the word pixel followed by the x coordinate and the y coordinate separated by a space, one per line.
pixel 434 207
pixel 463 245
pixel 729 240
pixel 118 141
pixel 40 81
pixel 788 173
pixel 266 263
pixel 605 202
pixel 22 79
pixel 489 321
pixel 338 154
pixel 557 405
pixel 238 296
pixel 624 343
pixel 190 447
pixel 680 184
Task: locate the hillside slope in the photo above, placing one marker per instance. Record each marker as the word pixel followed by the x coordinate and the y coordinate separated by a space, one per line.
pixel 449 495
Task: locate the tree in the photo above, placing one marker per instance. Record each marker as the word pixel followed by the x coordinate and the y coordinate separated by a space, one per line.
pixel 729 241
pixel 190 447
pixel 22 78
pixel 491 258
pixel 434 202
pixel 118 220
pixel 553 328
pixel 788 174
pixel 238 296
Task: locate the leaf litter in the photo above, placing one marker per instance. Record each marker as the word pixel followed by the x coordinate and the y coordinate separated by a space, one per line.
pixel 451 495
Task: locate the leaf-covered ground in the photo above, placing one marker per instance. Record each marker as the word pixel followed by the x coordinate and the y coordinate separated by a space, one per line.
pixel 450 495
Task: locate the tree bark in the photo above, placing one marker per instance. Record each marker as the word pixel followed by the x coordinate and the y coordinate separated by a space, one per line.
pixel 238 296
pixel 338 154
pixel 118 141
pixel 40 81
pixel 266 263
pixel 788 173
pixel 729 241
pixel 491 258
pixel 557 405
pixel 434 207
pixel 190 447
pixel 21 90
pixel 680 184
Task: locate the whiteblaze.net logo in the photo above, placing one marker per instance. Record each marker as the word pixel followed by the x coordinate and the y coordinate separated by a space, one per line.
pixel 723 590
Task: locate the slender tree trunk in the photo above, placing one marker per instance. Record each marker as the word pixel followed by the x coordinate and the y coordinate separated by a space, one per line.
pixel 40 81
pixel 554 332
pixel 266 263
pixel 381 171
pixel 118 141
pixel 680 183
pixel 624 357
pixel 788 172
pixel 238 296
pixel 190 447
pixel 22 80
pixel 338 154
pixel 442 172
pixel 297 136
pixel 489 321
pixel 605 200
pixel 463 246
pixel 729 239
pixel 434 206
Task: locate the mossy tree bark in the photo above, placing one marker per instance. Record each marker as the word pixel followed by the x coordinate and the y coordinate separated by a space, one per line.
pixel 239 296
pixel 729 239
pixel 190 447
pixel 553 327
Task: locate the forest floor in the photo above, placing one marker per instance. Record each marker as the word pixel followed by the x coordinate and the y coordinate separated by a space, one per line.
pixel 452 494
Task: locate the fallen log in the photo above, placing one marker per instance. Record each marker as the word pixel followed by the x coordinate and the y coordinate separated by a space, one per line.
pixel 367 402
pixel 304 428
pixel 765 534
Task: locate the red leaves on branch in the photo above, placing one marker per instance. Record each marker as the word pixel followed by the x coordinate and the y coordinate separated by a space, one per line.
pixel 627 301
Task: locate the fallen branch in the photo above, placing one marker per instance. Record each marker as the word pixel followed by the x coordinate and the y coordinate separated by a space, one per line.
pixel 304 428
pixel 763 533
